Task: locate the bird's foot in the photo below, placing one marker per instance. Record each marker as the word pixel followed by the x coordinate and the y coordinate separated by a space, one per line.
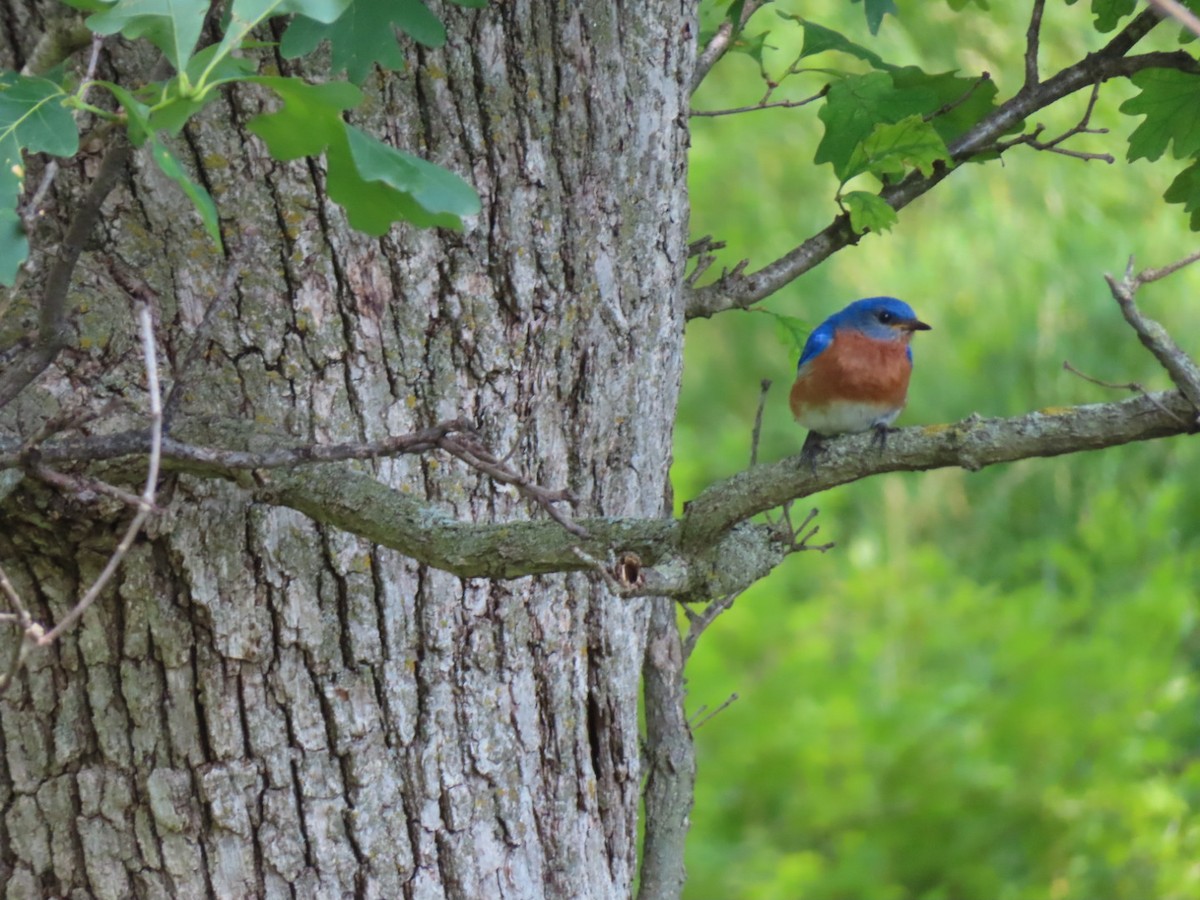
pixel 814 446
pixel 880 435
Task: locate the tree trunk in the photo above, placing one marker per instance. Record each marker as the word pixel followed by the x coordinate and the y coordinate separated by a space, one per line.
pixel 263 706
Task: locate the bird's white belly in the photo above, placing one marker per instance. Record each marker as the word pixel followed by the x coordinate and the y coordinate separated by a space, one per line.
pixel 846 418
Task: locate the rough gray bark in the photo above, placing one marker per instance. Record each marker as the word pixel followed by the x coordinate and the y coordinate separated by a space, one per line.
pixel 269 706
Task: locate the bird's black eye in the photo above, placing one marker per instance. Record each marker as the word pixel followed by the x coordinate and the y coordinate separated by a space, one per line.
pixel 885 317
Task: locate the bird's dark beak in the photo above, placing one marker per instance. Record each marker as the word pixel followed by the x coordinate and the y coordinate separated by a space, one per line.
pixel 914 325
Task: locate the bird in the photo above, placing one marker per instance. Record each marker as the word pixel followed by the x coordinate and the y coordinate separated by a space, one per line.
pixel 853 372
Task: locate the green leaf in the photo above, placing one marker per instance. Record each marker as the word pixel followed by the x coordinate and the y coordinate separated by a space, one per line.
pixel 891 149
pixel 970 100
pixel 958 5
pixel 137 113
pixel 751 46
pixel 365 34
pixel 12 171
pixel 792 331
pixel 868 212
pixel 1170 101
pixel 173 26
pixel 876 10
pixel 1185 189
pixel 246 15
pixel 818 39
pixel 854 106
pixel 309 120
pixel 178 102
pixel 200 198
pixel 14 246
pixel 1110 12
pixel 31 110
pixel 379 185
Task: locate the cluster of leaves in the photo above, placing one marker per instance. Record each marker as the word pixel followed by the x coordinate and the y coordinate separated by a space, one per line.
pixel 891 120
pixel 375 183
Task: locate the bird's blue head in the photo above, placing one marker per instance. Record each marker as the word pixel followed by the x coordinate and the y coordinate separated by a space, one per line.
pixel 881 318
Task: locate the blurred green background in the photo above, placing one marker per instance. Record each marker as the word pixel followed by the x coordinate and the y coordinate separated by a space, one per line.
pixel 989 689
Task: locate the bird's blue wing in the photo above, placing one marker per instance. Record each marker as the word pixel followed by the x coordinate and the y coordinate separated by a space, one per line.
pixel 821 337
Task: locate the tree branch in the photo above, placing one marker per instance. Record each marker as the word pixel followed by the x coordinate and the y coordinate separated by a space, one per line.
pixel 720 42
pixel 970 444
pixel 52 323
pixel 712 551
pixel 738 290
pixel 1182 368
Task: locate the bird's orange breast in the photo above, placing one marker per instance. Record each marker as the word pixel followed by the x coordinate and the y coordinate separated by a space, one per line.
pixel 854 369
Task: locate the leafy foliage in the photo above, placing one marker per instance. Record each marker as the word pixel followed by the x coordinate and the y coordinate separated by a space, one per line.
pixel 32 118
pixel 868 212
pixel 173 26
pixel 364 35
pixel 1170 101
pixel 377 184
pixel 876 10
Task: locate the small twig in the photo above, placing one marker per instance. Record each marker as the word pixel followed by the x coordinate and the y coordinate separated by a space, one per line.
pixel 1032 39
pixel 1031 139
pixel 698 719
pixel 801 544
pixel 31 634
pixel 764 386
pixel 51 336
pixel 601 569
pixel 983 78
pixel 699 622
pixel 1128 386
pixel 720 42
pixel 702 249
pixel 462 448
pixel 33 208
pixel 83 484
pixel 1150 275
pixel 1183 370
pixel 146 504
pixel 14 599
pixel 755 107
pixel 1179 13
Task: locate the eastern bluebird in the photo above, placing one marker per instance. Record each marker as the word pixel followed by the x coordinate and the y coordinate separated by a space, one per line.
pixel 853 373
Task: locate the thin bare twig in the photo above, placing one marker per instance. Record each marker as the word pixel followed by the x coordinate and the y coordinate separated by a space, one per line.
pixel 83 484
pixel 720 43
pixel 146 505
pixel 1031 139
pixel 755 107
pixel 1127 386
pixel 51 336
pixel 465 449
pixel 702 248
pixel 699 622
pixel 1182 368
pixel 983 78
pixel 1179 13
pixel 800 544
pixel 33 208
pixel 764 386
